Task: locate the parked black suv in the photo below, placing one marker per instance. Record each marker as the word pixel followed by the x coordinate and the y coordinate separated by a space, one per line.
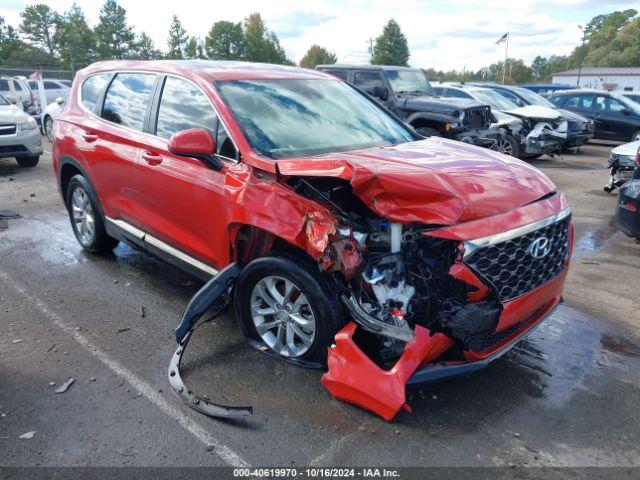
pixel 616 117
pixel 579 128
pixel 408 93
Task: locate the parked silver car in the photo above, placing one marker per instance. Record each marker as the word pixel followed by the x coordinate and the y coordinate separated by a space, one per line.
pixel 19 135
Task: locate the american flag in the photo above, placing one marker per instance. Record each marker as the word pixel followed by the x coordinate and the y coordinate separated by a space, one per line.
pixel 503 38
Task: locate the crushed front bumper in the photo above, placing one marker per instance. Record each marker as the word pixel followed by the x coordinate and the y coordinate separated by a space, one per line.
pixel 486 138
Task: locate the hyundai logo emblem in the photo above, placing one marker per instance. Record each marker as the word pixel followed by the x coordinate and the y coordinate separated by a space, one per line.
pixel 540 247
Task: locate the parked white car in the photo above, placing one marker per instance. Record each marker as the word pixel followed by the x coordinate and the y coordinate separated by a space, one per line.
pixel 22 90
pixel 51 113
pixel 52 88
pixel 19 135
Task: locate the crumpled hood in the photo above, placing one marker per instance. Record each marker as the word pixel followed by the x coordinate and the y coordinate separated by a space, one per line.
pixel 535 112
pixel 569 115
pixel 434 181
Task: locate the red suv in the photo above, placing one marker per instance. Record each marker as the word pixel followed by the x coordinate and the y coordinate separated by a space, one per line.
pixel 359 244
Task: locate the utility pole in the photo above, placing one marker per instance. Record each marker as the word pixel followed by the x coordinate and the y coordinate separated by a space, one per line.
pixel 504 66
pixel 584 36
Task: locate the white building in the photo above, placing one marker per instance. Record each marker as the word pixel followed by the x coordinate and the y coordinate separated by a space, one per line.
pixel 612 79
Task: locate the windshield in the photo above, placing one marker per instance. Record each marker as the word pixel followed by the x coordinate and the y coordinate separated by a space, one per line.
pixel 3 100
pixel 289 118
pixel 629 103
pixel 494 99
pixel 413 81
pixel 532 98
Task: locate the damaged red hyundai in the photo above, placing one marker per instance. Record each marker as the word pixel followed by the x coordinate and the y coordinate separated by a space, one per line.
pixel 343 239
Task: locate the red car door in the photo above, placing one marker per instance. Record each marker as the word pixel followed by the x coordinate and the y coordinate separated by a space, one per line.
pixel 181 199
pixel 112 143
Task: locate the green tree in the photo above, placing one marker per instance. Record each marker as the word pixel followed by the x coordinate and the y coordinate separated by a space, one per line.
pixel 391 47
pixel 540 68
pixel 114 38
pixel 145 48
pixel 75 39
pixel 262 44
pixel 177 39
pixel 316 55
pixel 191 48
pixel 9 41
pixel 39 26
pixel 225 41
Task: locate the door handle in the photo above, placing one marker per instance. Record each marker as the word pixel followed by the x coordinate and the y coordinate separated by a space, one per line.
pixel 90 137
pixel 152 158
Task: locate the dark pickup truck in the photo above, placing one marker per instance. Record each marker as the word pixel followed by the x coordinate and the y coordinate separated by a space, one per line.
pixel 408 93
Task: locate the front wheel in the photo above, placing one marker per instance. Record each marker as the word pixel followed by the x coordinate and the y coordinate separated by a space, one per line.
pixel 48 127
pixel 286 304
pixel 509 146
pixel 28 161
pixel 428 132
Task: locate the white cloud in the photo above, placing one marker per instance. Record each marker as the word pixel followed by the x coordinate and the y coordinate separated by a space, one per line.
pixel 444 34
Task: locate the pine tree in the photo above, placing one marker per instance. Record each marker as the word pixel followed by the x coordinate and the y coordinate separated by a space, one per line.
pixel 75 40
pixel 191 48
pixel 114 38
pixel 316 55
pixel 39 25
pixel 391 47
pixel 262 44
pixel 177 39
pixel 145 49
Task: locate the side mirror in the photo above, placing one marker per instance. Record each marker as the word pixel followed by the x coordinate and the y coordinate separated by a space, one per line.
pixel 197 143
pixel 59 100
pixel 381 92
pixel 625 111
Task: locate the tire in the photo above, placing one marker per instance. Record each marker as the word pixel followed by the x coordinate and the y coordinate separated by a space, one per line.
pixel 27 162
pixel 48 127
pixel 428 132
pixel 532 157
pixel 318 313
pixel 636 136
pixel 85 215
pixel 509 146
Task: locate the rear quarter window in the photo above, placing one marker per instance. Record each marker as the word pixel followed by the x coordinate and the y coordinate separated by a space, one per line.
pixel 92 88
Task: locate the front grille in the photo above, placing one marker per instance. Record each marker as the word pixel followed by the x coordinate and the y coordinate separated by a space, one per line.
pixel 7 129
pixel 13 149
pixel 477 117
pixel 485 341
pixel 513 271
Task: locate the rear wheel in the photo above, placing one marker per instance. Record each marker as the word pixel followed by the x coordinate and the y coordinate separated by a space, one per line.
pixel 636 136
pixel 85 216
pixel 28 161
pixel 285 303
pixel 428 132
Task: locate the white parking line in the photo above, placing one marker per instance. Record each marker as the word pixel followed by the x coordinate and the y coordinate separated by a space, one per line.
pixel 151 393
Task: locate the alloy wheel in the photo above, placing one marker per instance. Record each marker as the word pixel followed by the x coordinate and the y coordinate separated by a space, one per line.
pixel 83 217
pixel 48 128
pixel 283 316
pixel 505 147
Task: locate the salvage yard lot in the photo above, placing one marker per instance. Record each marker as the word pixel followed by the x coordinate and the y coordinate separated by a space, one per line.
pixel 566 396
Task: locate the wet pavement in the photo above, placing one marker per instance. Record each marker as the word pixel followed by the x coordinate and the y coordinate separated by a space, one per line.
pixel 566 396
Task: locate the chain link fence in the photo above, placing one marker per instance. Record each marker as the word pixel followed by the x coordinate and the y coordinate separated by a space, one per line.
pixel 25 71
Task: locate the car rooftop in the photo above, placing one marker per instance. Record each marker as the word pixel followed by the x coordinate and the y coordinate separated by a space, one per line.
pixel 217 70
pixel 581 90
pixel 365 66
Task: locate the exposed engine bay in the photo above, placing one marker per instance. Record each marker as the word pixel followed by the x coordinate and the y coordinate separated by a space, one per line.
pixel 544 129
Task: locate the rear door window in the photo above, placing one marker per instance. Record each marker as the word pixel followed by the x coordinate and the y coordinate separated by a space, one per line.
pixel 50 85
pixel 128 98
pixel 184 106
pixel 342 74
pixel 92 88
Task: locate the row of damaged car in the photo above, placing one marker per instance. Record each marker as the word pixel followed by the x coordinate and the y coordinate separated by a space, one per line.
pixel 531 130
pixel 522 125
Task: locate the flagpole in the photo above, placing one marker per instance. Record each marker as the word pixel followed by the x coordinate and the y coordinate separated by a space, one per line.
pixel 506 50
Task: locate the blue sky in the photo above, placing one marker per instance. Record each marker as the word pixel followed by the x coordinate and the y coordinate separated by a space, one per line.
pixel 442 34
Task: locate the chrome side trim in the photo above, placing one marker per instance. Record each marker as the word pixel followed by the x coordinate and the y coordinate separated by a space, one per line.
pixel 159 244
pixel 127 227
pixel 470 246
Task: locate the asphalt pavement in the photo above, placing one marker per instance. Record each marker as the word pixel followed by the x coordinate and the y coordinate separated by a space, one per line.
pixel 567 396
